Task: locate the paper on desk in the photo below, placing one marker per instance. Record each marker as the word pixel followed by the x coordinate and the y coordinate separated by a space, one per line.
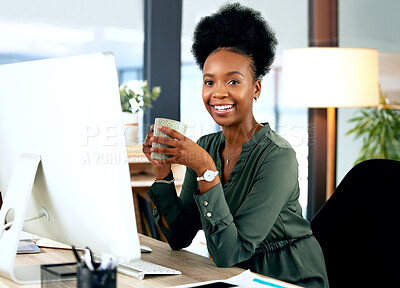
pixel 246 279
pixel 48 243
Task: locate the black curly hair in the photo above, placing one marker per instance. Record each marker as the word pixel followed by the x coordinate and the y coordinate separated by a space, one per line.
pixel 238 29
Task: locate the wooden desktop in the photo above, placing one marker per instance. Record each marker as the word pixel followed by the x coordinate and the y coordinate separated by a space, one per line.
pixel 194 268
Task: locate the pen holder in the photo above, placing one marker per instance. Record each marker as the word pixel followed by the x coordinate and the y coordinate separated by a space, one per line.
pixel 96 278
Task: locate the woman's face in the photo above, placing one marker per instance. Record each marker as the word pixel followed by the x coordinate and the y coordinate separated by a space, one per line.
pixel 229 88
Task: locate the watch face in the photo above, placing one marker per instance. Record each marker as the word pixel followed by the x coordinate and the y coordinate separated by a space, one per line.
pixel 209 175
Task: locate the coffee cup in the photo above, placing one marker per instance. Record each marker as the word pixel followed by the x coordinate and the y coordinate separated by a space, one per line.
pixel 173 124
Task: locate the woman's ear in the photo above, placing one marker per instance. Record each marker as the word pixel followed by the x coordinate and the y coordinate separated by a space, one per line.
pixel 257 89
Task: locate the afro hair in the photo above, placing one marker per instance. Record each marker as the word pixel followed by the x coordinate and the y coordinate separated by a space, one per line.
pixel 239 29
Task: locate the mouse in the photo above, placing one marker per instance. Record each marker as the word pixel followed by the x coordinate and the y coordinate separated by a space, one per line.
pixel 145 249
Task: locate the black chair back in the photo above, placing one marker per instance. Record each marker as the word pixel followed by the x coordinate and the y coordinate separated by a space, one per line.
pixel 358 228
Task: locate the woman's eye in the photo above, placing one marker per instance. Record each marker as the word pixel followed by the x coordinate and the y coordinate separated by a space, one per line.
pixel 208 82
pixel 233 82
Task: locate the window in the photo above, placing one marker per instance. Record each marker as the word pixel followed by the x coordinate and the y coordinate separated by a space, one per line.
pixel 368 24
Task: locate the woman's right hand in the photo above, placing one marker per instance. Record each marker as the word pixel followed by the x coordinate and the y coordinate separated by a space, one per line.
pixel 161 170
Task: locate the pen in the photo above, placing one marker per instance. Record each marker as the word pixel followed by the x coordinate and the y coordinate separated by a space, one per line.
pixel 87 257
pixel 267 283
pixel 78 259
pixel 108 261
pixel 91 256
pixel 90 253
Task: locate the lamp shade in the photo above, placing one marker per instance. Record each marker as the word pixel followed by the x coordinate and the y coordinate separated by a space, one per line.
pixel 330 77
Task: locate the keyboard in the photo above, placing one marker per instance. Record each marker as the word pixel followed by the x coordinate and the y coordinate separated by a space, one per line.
pixel 139 268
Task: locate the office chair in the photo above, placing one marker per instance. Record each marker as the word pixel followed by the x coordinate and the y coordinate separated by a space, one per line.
pixel 358 228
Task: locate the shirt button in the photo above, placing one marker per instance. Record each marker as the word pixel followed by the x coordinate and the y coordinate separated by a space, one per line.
pixel 209 214
pixel 205 203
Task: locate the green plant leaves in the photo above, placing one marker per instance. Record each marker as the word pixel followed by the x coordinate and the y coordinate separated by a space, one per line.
pixel 144 99
pixel 379 130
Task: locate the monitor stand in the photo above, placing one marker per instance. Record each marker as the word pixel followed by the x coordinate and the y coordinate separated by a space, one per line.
pixel 14 209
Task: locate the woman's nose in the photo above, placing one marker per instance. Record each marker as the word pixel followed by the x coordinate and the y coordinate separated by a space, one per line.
pixel 220 92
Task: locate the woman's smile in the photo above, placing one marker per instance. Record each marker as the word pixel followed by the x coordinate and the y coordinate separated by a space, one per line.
pixel 222 109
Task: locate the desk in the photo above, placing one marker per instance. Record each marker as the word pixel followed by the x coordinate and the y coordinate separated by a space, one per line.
pixel 194 268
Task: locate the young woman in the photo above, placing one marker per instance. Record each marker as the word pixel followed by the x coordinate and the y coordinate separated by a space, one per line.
pixel 241 184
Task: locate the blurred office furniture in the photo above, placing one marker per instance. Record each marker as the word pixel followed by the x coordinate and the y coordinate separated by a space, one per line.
pixel 357 227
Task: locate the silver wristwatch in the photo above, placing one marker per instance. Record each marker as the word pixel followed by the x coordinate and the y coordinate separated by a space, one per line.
pixel 208 176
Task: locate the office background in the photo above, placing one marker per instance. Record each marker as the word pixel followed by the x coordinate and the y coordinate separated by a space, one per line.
pixel 32 30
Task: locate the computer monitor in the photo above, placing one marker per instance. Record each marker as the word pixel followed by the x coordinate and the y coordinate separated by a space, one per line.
pixel 63 152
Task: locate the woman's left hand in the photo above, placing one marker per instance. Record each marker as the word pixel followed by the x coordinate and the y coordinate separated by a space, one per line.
pixel 183 150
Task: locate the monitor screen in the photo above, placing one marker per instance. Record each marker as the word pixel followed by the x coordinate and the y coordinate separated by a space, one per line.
pixel 67 111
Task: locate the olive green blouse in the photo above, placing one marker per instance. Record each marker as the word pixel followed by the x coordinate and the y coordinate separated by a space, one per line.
pixel 254 220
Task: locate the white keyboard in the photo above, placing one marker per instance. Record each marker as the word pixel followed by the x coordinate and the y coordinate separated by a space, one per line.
pixel 145 267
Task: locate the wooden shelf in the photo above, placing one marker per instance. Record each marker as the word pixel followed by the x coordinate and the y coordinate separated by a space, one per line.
pixel 135 154
pixel 146 180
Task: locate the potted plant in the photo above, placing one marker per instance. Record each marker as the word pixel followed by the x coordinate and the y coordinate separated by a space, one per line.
pixel 379 129
pixel 135 99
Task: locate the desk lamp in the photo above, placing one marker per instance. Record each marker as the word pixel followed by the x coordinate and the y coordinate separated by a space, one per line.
pixel 330 77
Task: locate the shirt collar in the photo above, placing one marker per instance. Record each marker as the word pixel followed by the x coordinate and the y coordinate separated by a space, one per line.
pixel 254 140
